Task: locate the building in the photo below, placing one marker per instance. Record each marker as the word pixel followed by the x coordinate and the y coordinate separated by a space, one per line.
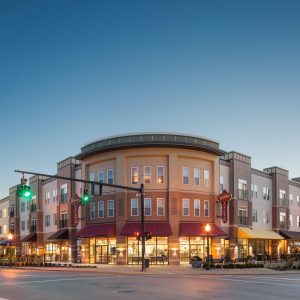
pixel 183 176
pixel 4 224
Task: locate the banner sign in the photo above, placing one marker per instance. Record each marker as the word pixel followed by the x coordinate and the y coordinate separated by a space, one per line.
pixel 224 198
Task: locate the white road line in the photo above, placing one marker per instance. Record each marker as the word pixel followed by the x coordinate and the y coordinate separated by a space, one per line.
pixel 62 279
pixel 259 282
pixel 273 278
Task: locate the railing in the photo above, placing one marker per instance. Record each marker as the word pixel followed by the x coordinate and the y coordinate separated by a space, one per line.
pixel 282 224
pixel 243 221
pixel 11 213
pixel 63 223
pixel 33 208
pixel 283 202
pixel 266 196
pixel 33 228
pixel 242 194
pixel 63 198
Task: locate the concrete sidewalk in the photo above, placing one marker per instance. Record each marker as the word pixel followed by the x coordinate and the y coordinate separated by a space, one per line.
pixel 160 270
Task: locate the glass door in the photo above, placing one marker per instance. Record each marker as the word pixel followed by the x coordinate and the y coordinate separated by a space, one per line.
pixel 101 254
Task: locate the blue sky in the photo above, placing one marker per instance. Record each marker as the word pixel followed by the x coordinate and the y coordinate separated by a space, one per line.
pixel 74 71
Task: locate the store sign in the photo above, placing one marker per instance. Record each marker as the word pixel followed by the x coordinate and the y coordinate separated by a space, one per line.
pixel 224 198
pixel 75 200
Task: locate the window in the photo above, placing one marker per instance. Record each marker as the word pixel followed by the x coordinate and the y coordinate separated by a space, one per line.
pixel 101 176
pixel 160 206
pixel 291 199
pixel 267 217
pixel 0 229
pixel 254 215
pixel 185 175
pixel 47 197
pixel 134 207
pixel 196 207
pixel 0 213
pixel 282 217
pixel 255 190
pixel 298 201
pixel 206 178
pixel 64 219
pixel 196 176
pixel 47 220
pixel 291 221
pixel 282 194
pixel 298 221
pixel 4 212
pixel 4 229
pixel 63 194
pixel 111 208
pixel 22 206
pixel 23 226
pixel 101 209
pixel 221 184
pixel 92 210
pixel 110 176
pixel 134 175
pixel 185 207
pixel 160 175
pixel 147 205
pixel 206 208
pixel 55 219
pixel 147 175
pixel 54 195
pixel 242 217
pixel 266 193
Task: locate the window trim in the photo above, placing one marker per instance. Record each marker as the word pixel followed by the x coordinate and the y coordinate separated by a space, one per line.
pixel 145 207
pixel 163 207
pixel 208 212
pixel 131 175
pixel 137 207
pixel 163 168
pixel 197 200
pixel 113 209
pixel 183 177
pixel 101 201
pixel 92 204
pixel 150 177
pixel 185 200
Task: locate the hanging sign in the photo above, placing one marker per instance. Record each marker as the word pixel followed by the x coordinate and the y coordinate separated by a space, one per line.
pixel 224 198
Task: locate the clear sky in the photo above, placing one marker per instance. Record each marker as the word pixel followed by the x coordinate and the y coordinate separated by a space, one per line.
pixel 73 71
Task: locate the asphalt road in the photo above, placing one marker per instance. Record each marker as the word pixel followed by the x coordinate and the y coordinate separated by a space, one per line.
pixel 48 285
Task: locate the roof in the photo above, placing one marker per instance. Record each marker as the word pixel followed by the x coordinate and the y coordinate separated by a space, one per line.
pixel 156 228
pixel 150 139
pixel 97 230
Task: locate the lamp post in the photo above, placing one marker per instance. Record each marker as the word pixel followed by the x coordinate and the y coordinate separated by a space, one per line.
pixel 207 229
pixel 10 237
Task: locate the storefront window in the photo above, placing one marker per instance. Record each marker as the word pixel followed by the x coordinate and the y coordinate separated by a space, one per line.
pixel 156 250
pixel 51 252
pixel 103 250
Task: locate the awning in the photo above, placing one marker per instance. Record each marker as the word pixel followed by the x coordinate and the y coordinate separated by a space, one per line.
pixel 62 234
pixel 246 233
pixel 290 235
pixel 198 229
pixel 156 228
pixel 32 237
pixel 97 230
pixel 4 242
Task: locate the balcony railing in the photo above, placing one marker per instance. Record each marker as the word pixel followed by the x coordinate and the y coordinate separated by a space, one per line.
pixel 63 223
pixel 283 202
pixel 33 208
pixel 243 194
pixel 11 213
pixel 282 224
pixel 33 228
pixel 243 221
pixel 63 198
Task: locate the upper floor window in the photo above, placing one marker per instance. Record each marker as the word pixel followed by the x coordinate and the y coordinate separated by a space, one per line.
pixel 266 193
pixel 111 208
pixel 47 220
pixel 206 208
pixel 291 221
pixel 63 193
pixel 206 178
pixel 4 212
pixel 298 200
pixel 110 176
pixel 221 184
pixel 253 190
pixel 196 207
pixel 134 207
pixel 298 221
pixel 22 206
pixel 134 175
pixel 55 195
pixel 147 206
pixel 185 175
pixel 92 210
pixel 47 197
pixel 23 225
pixel 101 209
pixel 196 176
pixel 291 199
pixel 254 215
pixel 160 206
pixel 0 213
pixel 147 174
pixel 185 207
pixel 101 178
pixel 282 194
pixel 160 175
pixel 4 229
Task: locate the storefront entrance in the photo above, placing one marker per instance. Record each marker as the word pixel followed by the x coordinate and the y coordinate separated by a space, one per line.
pixel 101 254
pixel 102 250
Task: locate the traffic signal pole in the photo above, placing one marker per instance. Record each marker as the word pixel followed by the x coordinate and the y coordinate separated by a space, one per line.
pixel 93 183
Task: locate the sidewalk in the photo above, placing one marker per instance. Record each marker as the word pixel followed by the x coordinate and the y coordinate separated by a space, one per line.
pixel 160 270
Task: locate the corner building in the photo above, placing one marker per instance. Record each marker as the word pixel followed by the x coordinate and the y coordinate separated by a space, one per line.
pixel 181 177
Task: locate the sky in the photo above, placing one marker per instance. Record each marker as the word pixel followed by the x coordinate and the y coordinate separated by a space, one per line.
pixel 73 71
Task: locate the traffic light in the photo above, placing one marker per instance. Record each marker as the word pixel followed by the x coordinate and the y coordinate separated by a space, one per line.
pixel 148 235
pixel 86 196
pixel 24 191
pixel 137 235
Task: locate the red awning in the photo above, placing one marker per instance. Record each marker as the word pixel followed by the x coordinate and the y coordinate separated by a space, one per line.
pixel 196 229
pixel 97 230
pixel 157 229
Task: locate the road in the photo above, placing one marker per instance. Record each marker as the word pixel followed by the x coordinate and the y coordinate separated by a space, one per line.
pixel 16 284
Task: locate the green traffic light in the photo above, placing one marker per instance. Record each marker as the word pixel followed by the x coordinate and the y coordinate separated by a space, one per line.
pixel 24 191
pixel 86 197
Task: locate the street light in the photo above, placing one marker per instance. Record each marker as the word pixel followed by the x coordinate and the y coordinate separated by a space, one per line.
pixel 207 229
pixel 10 237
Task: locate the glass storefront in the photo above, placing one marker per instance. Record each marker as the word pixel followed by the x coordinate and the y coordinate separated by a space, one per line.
pixel 102 250
pixel 197 246
pixel 29 248
pixel 156 250
pixel 51 252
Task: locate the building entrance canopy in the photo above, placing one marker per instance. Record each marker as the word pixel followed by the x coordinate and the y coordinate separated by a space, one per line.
pixel 97 230
pixel 62 234
pixel 198 229
pixel 246 233
pixel 156 228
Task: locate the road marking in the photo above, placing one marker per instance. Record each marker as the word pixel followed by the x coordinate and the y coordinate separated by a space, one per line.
pixel 64 279
pixel 273 278
pixel 259 282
